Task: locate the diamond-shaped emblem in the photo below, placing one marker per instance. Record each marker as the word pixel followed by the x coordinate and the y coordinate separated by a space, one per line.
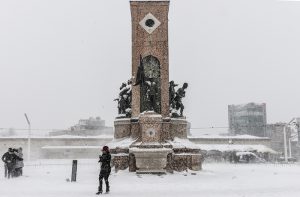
pixel 149 23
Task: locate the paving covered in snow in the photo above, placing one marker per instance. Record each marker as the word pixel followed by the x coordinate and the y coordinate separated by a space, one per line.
pixel 48 178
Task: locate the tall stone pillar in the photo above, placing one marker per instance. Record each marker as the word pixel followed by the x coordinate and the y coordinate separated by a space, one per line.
pixel 150 38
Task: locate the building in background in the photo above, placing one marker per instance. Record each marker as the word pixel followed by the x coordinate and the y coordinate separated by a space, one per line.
pixel 86 127
pixel 5 132
pixel 247 119
pixel 89 124
pixel 275 133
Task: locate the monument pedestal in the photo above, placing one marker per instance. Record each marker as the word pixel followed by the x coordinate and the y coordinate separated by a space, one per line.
pixel 151 144
pixel 122 128
pixel 150 154
pixel 151 160
pixel 150 127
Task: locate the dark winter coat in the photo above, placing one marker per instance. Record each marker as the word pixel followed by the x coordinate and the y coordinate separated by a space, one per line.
pixel 5 156
pixel 105 159
pixel 9 159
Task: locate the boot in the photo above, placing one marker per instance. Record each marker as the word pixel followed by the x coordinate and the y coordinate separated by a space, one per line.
pixel 107 186
pixel 99 188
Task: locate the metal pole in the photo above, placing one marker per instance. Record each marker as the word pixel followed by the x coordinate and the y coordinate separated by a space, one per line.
pixel 290 148
pixel 285 145
pixel 29 137
pixel 74 171
pixel 29 142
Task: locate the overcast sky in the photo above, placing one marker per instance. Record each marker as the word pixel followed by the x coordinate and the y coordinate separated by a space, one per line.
pixel 63 60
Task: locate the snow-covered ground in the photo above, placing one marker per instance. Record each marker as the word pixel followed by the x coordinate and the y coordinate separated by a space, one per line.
pixel 47 178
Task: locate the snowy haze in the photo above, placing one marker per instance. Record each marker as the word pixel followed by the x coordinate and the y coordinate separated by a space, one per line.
pixel 62 60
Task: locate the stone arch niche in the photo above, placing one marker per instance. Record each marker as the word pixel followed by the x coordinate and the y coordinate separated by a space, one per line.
pixel 151 67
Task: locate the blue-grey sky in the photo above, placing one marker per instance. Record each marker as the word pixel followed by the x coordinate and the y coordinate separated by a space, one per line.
pixel 62 60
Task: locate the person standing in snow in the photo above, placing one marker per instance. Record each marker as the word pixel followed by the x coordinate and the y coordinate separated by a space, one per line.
pixel 104 159
pixel 9 159
pixel 4 156
pixel 19 162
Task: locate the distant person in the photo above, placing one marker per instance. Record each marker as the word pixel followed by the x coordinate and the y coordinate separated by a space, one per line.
pixel 9 159
pixel 235 158
pixel 105 159
pixel 247 158
pixel 4 156
pixel 18 169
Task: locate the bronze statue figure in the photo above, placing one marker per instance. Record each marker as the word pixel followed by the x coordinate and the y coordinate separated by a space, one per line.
pixel 124 99
pixel 176 99
pixel 148 78
pixel 172 93
pixel 151 94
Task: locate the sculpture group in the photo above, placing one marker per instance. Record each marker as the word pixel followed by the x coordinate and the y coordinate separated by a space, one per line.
pixel 150 87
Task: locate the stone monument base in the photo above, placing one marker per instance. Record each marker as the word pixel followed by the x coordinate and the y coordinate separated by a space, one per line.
pixel 157 160
pixel 151 144
pixel 151 160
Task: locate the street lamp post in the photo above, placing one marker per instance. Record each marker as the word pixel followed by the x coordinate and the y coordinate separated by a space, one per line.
pixel 29 137
pixel 285 140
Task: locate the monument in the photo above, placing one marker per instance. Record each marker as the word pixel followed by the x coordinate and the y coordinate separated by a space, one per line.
pixel 151 130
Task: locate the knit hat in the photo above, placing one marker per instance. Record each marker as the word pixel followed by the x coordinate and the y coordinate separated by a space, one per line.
pixel 105 148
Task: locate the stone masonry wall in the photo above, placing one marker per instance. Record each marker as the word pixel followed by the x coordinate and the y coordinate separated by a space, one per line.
pixel 155 44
